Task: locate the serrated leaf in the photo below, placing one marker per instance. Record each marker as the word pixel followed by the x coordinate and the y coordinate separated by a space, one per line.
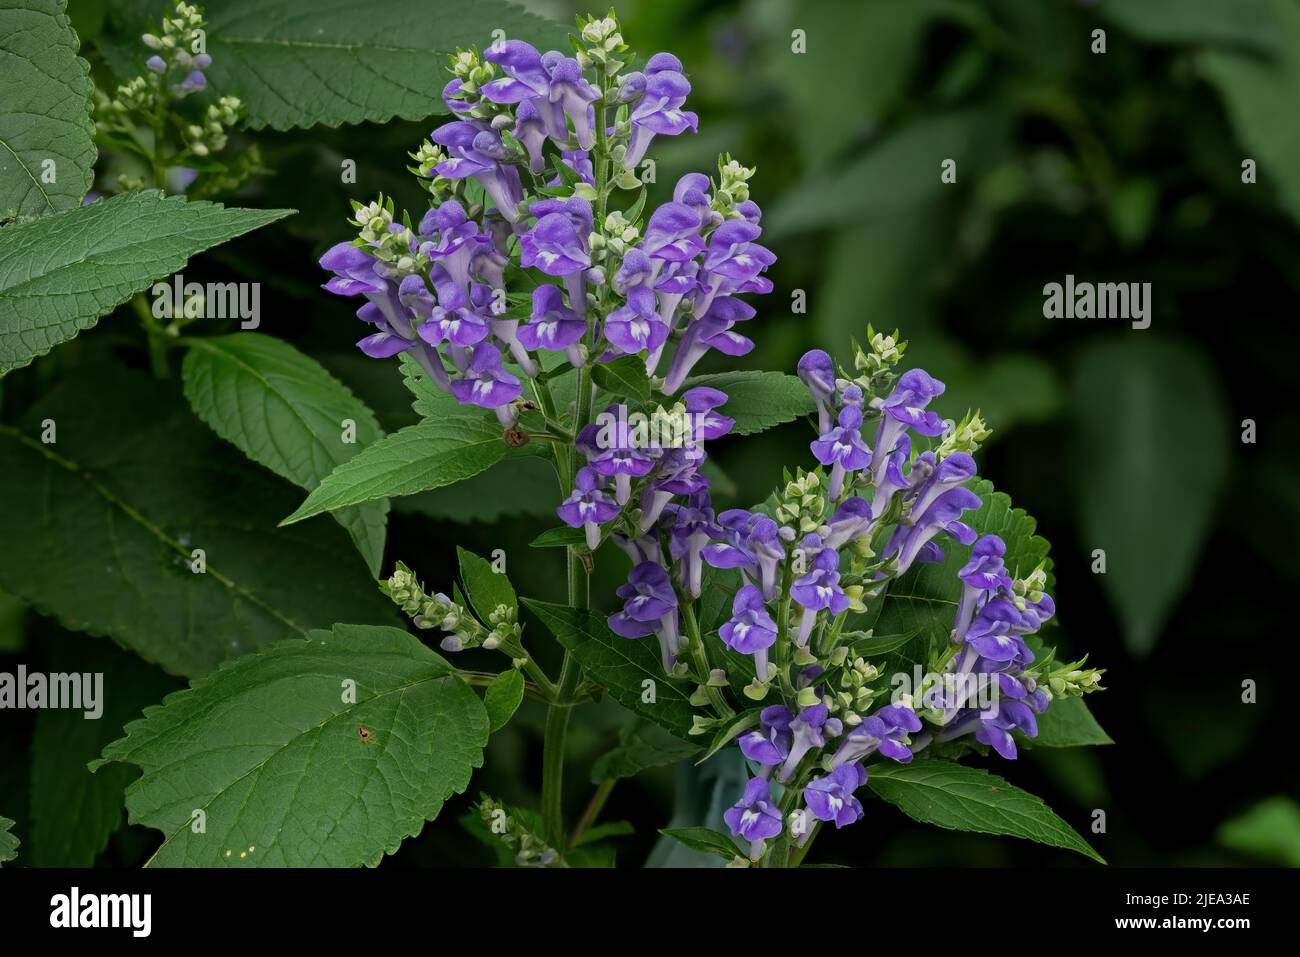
pixel 705 840
pixel 284 411
pixel 485 587
pixel 1147 411
pixel 112 513
pixel 1068 724
pixel 624 377
pixel 961 798
pixel 641 744
pixel 8 840
pixel 45 114
pixel 287 771
pixel 74 812
pixel 502 698
pixel 60 273
pixel 758 400
pixel 300 63
pixel 427 455
pixel 620 665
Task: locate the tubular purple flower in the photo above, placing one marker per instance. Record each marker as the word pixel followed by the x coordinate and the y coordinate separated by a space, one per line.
pixel 830 798
pixel 753 545
pixel 885 731
pixel 712 331
pixel 817 371
pixel 818 590
pixel 574 95
pixel 488 385
pixel 659 111
pixel 754 817
pixel 693 527
pixel 553 326
pixel 700 402
pixel 750 630
pixel 842 449
pixel 649 607
pixel 903 409
pixel 809 730
pixel 770 744
pixel 984 573
pixel 587 507
pixel 941 516
pixel 476 152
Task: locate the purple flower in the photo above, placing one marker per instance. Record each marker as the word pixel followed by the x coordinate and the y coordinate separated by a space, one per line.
pixel 486 384
pixel 477 151
pixel 941 516
pixel 817 590
pixel 613 452
pixel 842 449
pixel 817 372
pixel 693 527
pixel 711 331
pixel 673 234
pixel 956 469
pixel 659 111
pixel 635 326
pixel 753 545
pixel 587 506
pixel 552 325
pixel 885 731
pixel 994 728
pixel 831 798
pixel 754 817
pixel 574 95
pixel 904 408
pixel 733 263
pixel 807 731
pixel 851 519
pixel 700 402
pixel 770 744
pixel 554 245
pixel 527 79
pixel 649 608
pixel 751 630
pixel 984 573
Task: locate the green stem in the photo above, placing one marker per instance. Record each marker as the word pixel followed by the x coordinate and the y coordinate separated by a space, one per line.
pixel 594 807
pixel 158 338
pixel 702 664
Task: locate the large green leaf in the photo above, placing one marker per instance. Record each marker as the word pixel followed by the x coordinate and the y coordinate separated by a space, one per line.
pixel 518 486
pixel 287 413
pixel 621 665
pixel 47 144
pixel 428 455
pixel 641 744
pixel 298 63
pixel 758 400
pixel 111 512
pixel 959 798
pixel 73 811
pixel 8 842
pixel 288 769
pixel 1151 457
pixel 60 273
pixel 1068 724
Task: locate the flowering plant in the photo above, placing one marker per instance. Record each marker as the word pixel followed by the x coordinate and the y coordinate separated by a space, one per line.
pixel 875 628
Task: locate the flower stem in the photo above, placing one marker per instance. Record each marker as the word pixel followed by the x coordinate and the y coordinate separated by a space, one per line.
pixel 594 807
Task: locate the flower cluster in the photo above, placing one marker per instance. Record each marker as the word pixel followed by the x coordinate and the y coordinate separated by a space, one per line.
pixel 520 179
pixel 893 484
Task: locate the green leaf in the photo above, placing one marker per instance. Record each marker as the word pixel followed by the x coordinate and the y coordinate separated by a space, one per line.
pixel 74 812
pixel 299 63
pixel 1258 90
pixel 560 537
pixel 486 587
pixel 1269 830
pixel 641 744
pixel 271 749
pixel 729 730
pixel 705 840
pixel 601 832
pixel 1250 23
pixel 758 400
pixel 502 698
pixel 1068 724
pixel 45 116
pixel 8 842
pixel 629 669
pixel 959 798
pixel 1153 437
pixel 116 507
pixel 60 273
pixel 625 377
pixel 428 455
pixel 284 411
pixel 521 486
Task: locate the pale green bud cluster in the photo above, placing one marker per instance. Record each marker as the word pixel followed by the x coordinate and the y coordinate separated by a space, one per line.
pixel 967 436
pixel 884 354
pixel 506 630
pixel 433 611
pixel 427 158
pixel 473 72
pixel 373 219
pixel 1030 588
pixel 178 29
pixel 733 185
pixel 1074 681
pixel 211 136
pixel 602 43
pixel 530 850
pixel 802 503
pixel 855 695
